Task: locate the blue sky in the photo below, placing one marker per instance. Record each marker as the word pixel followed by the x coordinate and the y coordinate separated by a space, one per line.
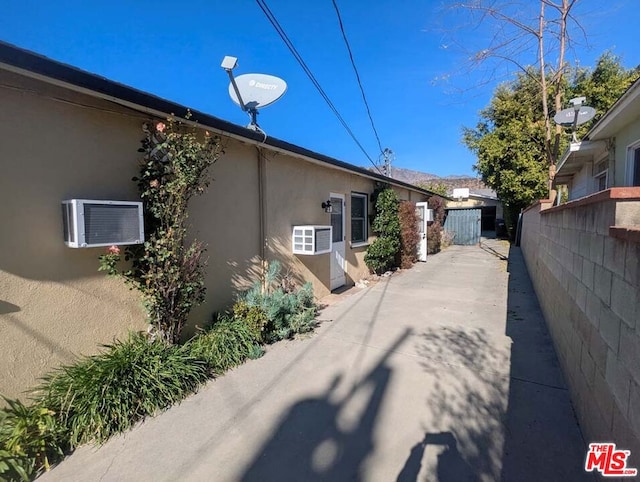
pixel 403 49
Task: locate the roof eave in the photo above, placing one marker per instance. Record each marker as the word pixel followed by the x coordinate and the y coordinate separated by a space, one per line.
pixel 37 66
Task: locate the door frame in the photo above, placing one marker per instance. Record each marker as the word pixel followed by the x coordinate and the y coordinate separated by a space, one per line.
pixel 423 243
pixel 337 269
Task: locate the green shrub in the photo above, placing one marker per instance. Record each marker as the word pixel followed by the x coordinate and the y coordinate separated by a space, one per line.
pixel 434 230
pixel 287 312
pixel 228 343
pixel 383 253
pixel 253 316
pixel 410 236
pixel 105 394
pixel 30 440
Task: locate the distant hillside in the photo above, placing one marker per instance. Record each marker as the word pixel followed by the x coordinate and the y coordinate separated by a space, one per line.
pixel 452 181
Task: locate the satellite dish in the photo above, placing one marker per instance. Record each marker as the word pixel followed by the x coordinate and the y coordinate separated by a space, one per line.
pixel 257 90
pixel 567 117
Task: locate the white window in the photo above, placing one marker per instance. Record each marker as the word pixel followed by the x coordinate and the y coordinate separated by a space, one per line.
pixel 601 175
pixel 633 165
pixel 359 218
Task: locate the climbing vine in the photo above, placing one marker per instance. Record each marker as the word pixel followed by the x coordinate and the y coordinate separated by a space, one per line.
pixel 168 271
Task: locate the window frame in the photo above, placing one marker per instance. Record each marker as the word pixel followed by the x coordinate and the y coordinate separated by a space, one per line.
pixel 603 174
pixel 633 150
pixel 364 219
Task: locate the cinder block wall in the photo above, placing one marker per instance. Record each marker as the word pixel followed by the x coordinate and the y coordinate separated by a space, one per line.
pixel 587 279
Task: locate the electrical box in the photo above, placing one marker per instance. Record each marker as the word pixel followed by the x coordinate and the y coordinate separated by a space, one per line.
pixel 90 223
pixel 311 239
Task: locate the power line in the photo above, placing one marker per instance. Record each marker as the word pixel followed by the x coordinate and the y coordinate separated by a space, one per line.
pixel 285 38
pixel 355 69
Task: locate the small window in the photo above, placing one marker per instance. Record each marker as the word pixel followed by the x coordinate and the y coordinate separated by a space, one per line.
pixel 601 175
pixel 359 218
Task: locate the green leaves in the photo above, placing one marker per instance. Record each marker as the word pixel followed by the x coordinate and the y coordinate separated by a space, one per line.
pixel 105 394
pixel 382 254
pixel 277 310
pixel 30 440
pixel 509 139
pixel 168 273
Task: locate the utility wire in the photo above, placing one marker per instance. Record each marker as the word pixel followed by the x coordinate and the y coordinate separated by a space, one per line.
pixel 285 38
pixel 355 69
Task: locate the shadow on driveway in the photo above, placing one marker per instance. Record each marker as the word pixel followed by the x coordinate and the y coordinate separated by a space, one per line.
pixel 309 443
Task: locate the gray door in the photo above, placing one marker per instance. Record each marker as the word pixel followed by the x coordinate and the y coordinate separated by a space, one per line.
pixel 465 224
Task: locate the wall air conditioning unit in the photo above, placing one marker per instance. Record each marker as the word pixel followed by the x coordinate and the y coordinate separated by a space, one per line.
pixel 311 239
pixel 89 223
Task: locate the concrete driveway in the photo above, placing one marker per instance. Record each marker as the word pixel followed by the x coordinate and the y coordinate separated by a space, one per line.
pixel 444 372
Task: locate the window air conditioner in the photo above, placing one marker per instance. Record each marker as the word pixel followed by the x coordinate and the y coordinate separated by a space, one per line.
pixel 311 239
pixel 90 223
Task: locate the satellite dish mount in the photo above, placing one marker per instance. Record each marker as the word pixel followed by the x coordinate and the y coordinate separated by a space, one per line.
pixel 574 116
pixel 252 91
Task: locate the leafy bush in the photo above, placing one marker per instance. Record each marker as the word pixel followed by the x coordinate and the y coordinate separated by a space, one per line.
pixel 105 394
pixel 167 270
pixel 410 235
pixel 30 440
pixel 287 312
pixel 383 252
pixel 228 343
pixel 434 230
pixel 253 316
pixel 381 255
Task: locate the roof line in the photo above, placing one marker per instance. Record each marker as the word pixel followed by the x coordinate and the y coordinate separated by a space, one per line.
pixel 92 84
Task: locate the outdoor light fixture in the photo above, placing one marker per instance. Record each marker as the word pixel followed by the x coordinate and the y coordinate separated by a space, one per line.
pixel 326 205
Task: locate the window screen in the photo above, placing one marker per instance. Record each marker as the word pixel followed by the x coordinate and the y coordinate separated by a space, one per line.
pixel 358 218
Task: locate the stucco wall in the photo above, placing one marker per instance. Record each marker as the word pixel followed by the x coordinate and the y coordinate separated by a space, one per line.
pixel 588 285
pixel 54 304
pixel 295 191
pixel 56 145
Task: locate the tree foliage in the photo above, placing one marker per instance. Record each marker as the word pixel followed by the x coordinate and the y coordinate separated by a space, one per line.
pixel 510 139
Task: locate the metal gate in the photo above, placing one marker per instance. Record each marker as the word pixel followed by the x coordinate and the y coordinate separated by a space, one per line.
pixel 465 224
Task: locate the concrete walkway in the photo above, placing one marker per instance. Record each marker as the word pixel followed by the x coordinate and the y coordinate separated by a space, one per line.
pixel 443 373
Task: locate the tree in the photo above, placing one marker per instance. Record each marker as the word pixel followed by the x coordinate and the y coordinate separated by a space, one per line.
pixel 437 187
pixel 510 140
pixel 524 36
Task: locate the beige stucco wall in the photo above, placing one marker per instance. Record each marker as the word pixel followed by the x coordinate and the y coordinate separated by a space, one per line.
pixel 295 191
pixel 54 304
pixel 58 145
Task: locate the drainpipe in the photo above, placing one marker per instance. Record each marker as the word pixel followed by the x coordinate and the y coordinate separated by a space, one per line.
pixel 262 206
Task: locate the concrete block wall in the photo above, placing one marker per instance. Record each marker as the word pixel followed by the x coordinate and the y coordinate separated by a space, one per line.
pixel 587 279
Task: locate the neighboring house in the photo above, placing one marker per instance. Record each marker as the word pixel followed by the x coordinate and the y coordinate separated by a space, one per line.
pixel 470 212
pixel 66 133
pixel 609 155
